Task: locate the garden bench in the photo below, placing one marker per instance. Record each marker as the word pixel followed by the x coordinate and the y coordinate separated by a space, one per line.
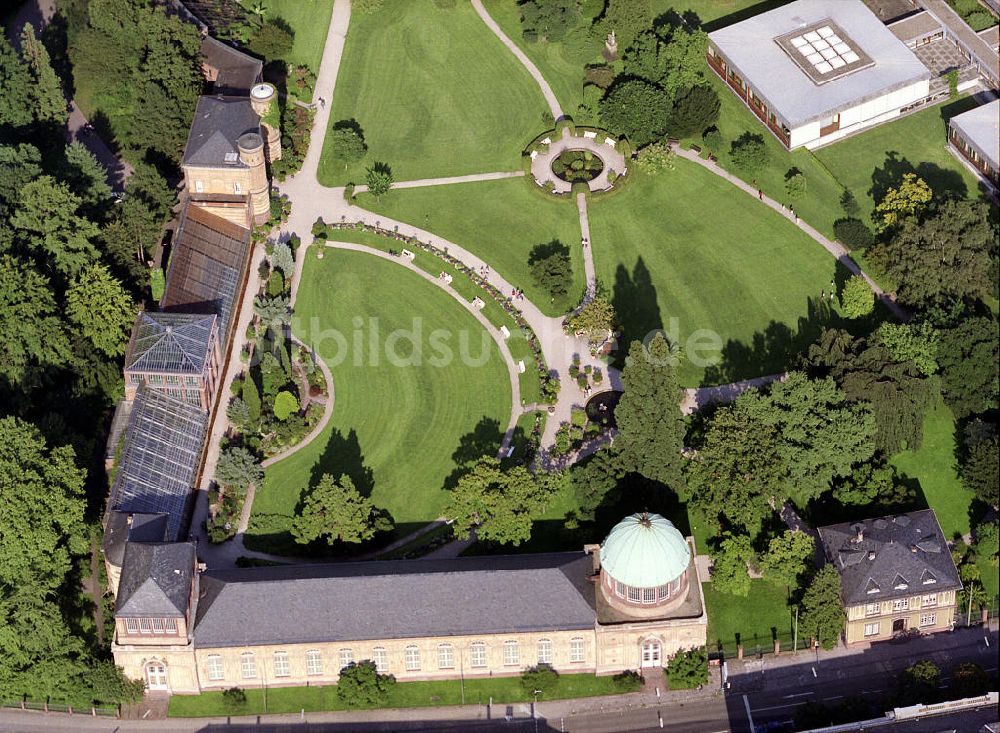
pixel 409 255
pixel 505 332
pixel 590 135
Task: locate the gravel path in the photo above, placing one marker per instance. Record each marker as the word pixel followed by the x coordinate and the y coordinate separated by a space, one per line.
pixel 422 182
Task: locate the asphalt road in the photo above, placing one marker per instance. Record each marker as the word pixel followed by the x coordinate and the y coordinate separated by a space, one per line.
pixel 772 693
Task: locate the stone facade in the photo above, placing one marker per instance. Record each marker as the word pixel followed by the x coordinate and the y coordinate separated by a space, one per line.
pixel 927 613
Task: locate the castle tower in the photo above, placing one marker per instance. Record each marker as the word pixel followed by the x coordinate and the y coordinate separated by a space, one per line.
pixel 251 147
pixel 264 103
pixel 644 567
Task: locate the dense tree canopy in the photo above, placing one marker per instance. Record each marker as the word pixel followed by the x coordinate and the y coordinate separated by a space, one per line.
pixel 548 19
pixel 968 355
pixel 335 510
pixel 650 424
pixel 822 614
pixel 637 109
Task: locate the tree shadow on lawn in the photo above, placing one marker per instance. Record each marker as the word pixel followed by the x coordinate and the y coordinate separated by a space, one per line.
pixel 773 350
pixel 482 440
pixel 342 457
pixel 636 306
pixel 944 182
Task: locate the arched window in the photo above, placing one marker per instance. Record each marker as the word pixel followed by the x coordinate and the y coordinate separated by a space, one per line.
pixel 446 656
pixel 478 654
pixel 545 651
pixel 511 653
pixel 248 665
pixel 649 595
pixel 381 658
pixel 412 658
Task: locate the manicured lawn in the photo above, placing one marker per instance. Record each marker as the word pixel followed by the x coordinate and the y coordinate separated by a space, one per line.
pixel 401 695
pixel 865 163
pixel 687 249
pixel 309 21
pixel 752 618
pixel 435 92
pixel 500 221
pixel 394 428
pixel 933 467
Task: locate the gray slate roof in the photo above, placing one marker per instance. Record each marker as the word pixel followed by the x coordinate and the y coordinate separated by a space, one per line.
pixel 397 599
pixel 236 71
pixel 981 129
pixel 160 457
pixel 124 527
pixel 156 579
pixel 170 342
pixel 218 123
pixel 750 47
pixel 895 557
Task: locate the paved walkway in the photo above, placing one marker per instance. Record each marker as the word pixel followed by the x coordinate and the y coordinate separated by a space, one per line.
pixel 834 248
pixel 602 147
pixel 473 178
pixel 550 97
pixel 588 254
pixel 695 399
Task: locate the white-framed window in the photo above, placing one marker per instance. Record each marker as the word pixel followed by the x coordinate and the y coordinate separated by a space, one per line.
pixel 635 594
pixel 928 619
pixel 649 595
pixel 872 609
pixel 381 658
pixel 170 624
pixel 545 651
pixel 199 186
pixel 248 665
pixel 145 626
pixel 664 591
pixel 620 589
pixel 314 662
pixel 477 654
pixel 446 656
pixel 157 625
pixel 511 653
pixel 411 658
pixel 131 626
pixel 929 600
pixel 281 666
pixel 576 650
pixel 901 604
pixel 215 671
pixel 346 658
pixel 872 629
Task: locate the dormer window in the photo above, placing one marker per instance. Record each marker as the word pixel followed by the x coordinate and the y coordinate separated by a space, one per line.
pixel 900 583
pixel 928 578
pixel 872 587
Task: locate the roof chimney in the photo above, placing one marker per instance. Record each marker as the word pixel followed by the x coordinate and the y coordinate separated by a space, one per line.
pixel 859 536
pixel 871 554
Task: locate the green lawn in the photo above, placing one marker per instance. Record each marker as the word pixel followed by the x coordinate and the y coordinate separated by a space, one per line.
pixel 687 249
pixel 919 143
pixel 395 428
pixel 500 221
pixel 435 92
pixel 402 695
pixel 752 618
pixel 309 21
pixel 933 468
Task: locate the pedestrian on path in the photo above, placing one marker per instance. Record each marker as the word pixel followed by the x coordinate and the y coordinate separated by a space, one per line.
pixel 760 194
pixel 322 102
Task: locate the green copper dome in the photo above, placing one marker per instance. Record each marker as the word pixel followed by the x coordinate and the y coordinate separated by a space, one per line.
pixel 645 551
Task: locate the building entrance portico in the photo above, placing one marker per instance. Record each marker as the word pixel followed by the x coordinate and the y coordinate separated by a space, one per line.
pixel 156 676
pixel 651 653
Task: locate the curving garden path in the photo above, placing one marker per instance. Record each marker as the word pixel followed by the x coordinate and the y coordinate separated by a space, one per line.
pixel 473 178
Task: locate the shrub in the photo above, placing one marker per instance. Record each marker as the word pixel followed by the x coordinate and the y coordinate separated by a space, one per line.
pixel 694 110
pixel 687 669
pixel 627 681
pixel 853 233
pixel 234 699
pixel 272 40
pixel 285 405
pixel 275 284
pixel 540 677
pixel 795 184
pixel 361 685
pixel 749 153
pixel 713 141
pixel 655 158
pixel 848 203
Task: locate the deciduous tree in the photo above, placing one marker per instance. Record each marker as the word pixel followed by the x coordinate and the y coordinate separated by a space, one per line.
pixel 637 109
pixel 360 684
pixel 968 356
pixel 822 615
pixel 551 268
pixel 596 320
pixel 729 565
pixel 347 143
pixel 499 504
pixel 789 555
pixel 335 510
pixel 909 199
pixel 857 298
pixel 548 19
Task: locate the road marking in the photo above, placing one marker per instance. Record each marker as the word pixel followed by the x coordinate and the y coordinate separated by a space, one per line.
pixel 746 704
pixel 781 707
pixel 798 694
pixel 833 697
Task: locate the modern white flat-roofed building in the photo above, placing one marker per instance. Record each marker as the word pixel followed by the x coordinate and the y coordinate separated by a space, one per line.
pixel 975 135
pixel 815 71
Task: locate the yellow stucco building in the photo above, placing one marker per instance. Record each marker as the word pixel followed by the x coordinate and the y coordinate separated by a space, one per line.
pixel 630 603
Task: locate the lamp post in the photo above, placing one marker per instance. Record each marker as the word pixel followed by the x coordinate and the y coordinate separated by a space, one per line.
pixel 534 704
